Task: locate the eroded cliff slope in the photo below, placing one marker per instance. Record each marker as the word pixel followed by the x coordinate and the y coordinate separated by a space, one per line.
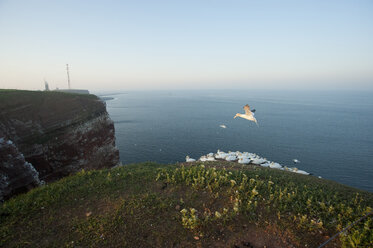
pixel 58 133
pixel 16 175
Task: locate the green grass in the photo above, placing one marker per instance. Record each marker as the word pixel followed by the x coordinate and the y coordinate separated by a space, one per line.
pixel 152 205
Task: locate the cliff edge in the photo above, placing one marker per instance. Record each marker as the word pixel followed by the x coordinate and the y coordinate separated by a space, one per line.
pixel 58 133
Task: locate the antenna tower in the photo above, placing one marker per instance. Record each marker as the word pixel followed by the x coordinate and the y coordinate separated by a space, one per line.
pixel 68 75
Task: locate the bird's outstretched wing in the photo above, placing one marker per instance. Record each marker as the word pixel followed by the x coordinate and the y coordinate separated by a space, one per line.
pixel 247 109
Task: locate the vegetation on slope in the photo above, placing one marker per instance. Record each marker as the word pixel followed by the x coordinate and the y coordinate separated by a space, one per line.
pixel 152 205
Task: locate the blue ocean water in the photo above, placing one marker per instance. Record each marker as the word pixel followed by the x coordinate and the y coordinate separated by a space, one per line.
pixel 329 132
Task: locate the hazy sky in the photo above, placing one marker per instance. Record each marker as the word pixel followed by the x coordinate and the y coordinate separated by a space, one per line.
pixel 193 44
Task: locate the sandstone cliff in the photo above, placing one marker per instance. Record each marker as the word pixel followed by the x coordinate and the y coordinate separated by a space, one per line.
pixel 58 133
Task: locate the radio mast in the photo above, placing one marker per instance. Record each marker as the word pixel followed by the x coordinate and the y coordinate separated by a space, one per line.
pixel 68 75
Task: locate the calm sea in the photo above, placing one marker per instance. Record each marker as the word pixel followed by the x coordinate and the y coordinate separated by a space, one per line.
pixel 331 133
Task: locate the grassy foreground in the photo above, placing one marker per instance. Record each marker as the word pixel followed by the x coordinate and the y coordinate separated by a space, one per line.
pixel 216 204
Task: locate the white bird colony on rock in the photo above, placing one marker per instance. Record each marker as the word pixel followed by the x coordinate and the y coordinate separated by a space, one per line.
pixel 245 158
pixel 203 158
pixel 210 157
pixel 188 159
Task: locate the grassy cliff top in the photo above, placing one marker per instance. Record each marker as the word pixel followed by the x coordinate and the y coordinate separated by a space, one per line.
pixel 30 103
pixel 214 204
pixel 35 113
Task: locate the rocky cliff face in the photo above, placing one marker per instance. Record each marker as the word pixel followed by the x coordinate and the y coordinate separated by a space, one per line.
pixel 58 133
pixel 16 175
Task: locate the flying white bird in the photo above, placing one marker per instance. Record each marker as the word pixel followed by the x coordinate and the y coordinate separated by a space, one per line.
pixel 223 126
pixel 249 114
pixel 296 161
